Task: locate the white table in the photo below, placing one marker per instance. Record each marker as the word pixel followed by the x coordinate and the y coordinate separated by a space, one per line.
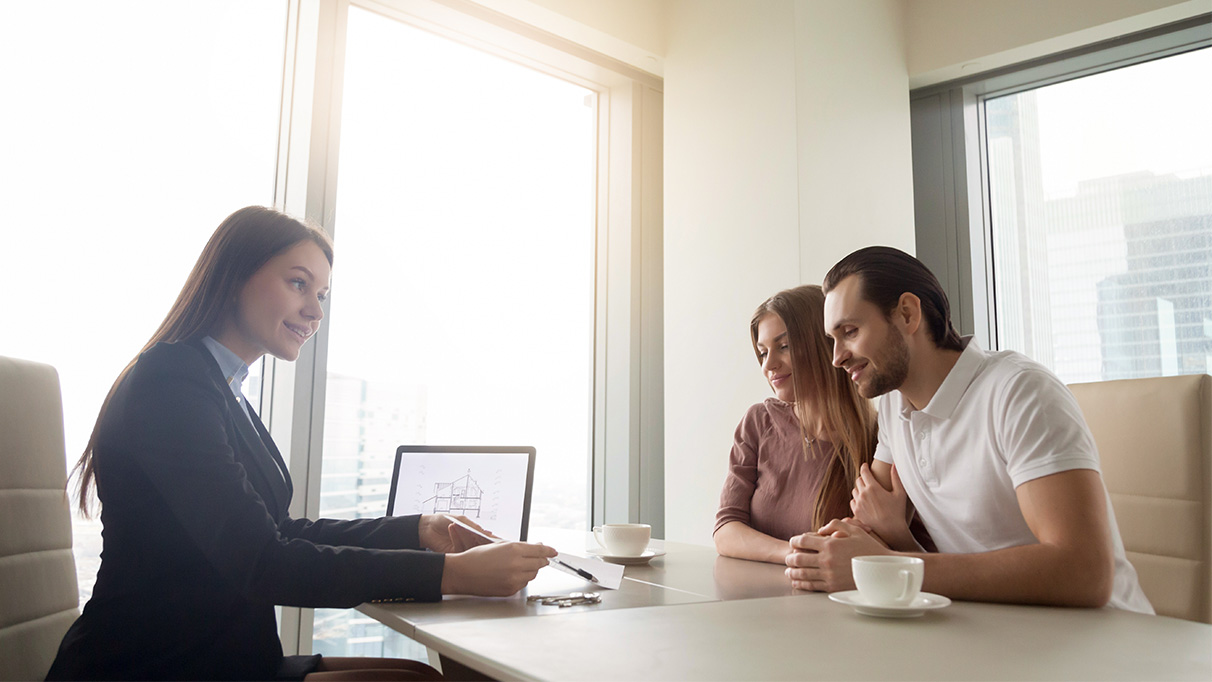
pixel 692 615
pixel 814 638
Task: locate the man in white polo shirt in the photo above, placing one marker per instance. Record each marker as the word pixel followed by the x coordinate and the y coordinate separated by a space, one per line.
pixel 989 447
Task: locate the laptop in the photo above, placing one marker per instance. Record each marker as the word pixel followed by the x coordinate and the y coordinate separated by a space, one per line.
pixel 490 485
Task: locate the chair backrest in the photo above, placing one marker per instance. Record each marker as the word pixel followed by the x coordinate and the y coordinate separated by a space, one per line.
pixel 1154 438
pixel 38 591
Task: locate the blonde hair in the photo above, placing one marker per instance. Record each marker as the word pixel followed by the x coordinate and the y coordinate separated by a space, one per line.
pixel 822 392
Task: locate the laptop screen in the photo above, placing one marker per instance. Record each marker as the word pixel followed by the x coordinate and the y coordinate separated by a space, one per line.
pixel 489 485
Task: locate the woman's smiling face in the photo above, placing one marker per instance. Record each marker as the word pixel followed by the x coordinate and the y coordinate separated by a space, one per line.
pixel 774 352
pixel 279 308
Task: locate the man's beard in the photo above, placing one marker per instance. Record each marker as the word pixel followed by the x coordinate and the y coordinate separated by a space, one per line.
pixel 894 364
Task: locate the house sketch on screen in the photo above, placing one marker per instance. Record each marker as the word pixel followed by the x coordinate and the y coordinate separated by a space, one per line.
pixel 460 496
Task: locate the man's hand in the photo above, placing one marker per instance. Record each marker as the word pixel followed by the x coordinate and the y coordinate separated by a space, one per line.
pixel 821 561
pixel 883 510
pixel 440 535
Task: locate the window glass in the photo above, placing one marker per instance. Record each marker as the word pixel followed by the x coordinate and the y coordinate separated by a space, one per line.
pixel 462 300
pixel 129 130
pixel 1100 191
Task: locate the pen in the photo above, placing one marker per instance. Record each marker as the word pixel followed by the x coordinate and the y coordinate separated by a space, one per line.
pixel 464 525
pixel 579 571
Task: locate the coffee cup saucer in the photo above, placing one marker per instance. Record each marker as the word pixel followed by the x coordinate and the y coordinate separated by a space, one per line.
pixel 925 601
pixel 646 556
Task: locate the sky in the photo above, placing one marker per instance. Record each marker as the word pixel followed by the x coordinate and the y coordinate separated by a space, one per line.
pixel 1153 116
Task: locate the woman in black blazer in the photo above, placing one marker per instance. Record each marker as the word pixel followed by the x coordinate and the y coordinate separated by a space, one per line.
pixel 198 545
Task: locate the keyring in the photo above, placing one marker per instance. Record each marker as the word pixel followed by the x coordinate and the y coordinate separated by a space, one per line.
pixel 562 601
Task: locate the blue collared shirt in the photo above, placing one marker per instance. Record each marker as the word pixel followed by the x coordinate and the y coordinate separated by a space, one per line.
pixel 235 371
pixel 233 368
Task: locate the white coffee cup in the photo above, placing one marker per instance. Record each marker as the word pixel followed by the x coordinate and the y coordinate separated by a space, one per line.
pixel 888 580
pixel 623 539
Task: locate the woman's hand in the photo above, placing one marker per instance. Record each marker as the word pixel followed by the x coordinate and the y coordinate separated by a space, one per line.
pixel 821 560
pixel 881 510
pixel 439 534
pixel 494 570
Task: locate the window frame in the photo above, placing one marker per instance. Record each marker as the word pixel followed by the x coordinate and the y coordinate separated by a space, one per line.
pixel 627 440
pixel 954 222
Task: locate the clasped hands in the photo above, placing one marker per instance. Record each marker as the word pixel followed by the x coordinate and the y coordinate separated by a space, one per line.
pixel 820 561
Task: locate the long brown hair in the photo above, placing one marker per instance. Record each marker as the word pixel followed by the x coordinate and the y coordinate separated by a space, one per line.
pixel 242 243
pixel 822 392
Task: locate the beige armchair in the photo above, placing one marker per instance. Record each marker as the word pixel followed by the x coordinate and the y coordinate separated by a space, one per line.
pixel 1155 440
pixel 38 592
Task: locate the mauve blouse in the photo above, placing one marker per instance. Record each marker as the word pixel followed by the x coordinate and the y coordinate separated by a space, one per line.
pixel 771 487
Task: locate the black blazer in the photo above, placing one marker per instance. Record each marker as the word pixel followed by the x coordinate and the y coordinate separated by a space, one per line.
pixel 198 546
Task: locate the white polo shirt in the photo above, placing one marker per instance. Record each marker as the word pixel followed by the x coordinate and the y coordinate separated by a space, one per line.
pixel 997 421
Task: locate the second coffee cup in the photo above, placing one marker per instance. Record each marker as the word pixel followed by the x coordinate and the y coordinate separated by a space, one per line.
pixel 888 580
pixel 623 539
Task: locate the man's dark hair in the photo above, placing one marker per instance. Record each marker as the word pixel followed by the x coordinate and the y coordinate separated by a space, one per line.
pixel 884 274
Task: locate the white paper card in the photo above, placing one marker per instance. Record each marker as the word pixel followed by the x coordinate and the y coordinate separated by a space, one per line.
pixel 600 573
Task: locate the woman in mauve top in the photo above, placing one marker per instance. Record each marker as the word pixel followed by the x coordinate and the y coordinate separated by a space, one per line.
pixel 796 455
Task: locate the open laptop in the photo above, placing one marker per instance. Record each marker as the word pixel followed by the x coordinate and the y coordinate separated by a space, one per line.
pixel 490 485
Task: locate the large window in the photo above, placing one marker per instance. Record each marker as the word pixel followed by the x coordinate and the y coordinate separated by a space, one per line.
pixel 494 197
pixel 1100 193
pixel 129 130
pixel 1095 232
pixel 463 304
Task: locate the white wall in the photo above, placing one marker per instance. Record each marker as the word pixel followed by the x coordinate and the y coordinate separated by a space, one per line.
pixel 786 147
pixel 639 22
pixel 949 39
pixel 632 31
pixel 731 230
pixel 855 182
